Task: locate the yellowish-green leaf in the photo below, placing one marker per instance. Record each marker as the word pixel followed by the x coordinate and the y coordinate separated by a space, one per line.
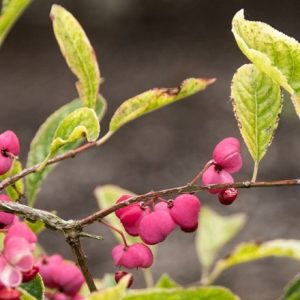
pixel 83 122
pixel 251 251
pixel 78 52
pixel 16 190
pixel 41 143
pixel 154 99
pixel 271 51
pixel 11 11
pixel 200 293
pixel 106 196
pixel 36 226
pixel 113 293
pixel 215 231
pixel 166 282
pixel 257 105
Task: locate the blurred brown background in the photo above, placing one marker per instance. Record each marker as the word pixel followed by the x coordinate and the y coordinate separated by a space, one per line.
pixel 140 45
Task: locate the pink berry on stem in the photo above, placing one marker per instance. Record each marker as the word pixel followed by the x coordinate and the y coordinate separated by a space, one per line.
pixel 9 145
pixel 157 225
pixel 227 155
pixel 6 219
pixel 215 175
pixel 227 196
pixel 185 211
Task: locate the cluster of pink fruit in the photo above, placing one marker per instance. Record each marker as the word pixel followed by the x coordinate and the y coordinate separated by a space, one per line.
pixel 226 161
pixel 17 262
pixel 152 223
pixel 63 279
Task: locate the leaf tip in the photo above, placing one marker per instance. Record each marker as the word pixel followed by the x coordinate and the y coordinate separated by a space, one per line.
pixel 209 81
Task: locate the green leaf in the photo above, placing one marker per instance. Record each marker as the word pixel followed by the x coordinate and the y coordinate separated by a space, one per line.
pixel 292 291
pixel 36 226
pixel 271 51
pixel 78 52
pixel 83 122
pixel 106 196
pixel 251 251
pixel 154 99
pixel 16 190
pixel 113 293
pixel 11 11
pixel 166 282
pixel 202 293
pixel 34 288
pixel 257 105
pixel 214 233
pixel 41 143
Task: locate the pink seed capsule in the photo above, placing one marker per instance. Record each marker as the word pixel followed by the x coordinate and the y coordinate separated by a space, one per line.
pixel 9 146
pixel 6 219
pixel 157 225
pixel 9 294
pixel 227 196
pixel 227 155
pixel 120 274
pixel 185 212
pixel 29 275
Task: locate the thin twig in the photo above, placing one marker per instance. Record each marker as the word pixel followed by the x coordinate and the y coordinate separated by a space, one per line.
pixel 70 154
pixel 183 189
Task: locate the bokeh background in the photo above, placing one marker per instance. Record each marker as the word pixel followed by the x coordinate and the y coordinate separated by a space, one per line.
pixel 140 45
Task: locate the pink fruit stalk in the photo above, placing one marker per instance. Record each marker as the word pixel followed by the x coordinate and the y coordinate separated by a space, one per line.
pixel 185 212
pixel 157 225
pixel 6 219
pixel 227 160
pixel 131 257
pixel 9 146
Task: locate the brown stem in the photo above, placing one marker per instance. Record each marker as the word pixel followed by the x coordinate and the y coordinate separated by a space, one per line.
pixel 199 175
pixel 70 154
pixel 74 242
pixel 183 189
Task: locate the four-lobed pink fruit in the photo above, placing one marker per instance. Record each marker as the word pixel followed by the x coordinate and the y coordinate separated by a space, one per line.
pixel 185 210
pixel 9 147
pixel 137 255
pixel 157 225
pixel 226 161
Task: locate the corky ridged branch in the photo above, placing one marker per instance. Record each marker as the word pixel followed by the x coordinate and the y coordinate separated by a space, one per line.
pixel 72 229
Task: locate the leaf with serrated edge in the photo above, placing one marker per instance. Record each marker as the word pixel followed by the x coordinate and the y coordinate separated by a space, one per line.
pixel 257 103
pixel 271 51
pixel 16 190
pixel 154 99
pixel 40 144
pixel 203 293
pixel 83 122
pixel 251 251
pixel 214 233
pixel 35 288
pixel 78 52
pixel 106 196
